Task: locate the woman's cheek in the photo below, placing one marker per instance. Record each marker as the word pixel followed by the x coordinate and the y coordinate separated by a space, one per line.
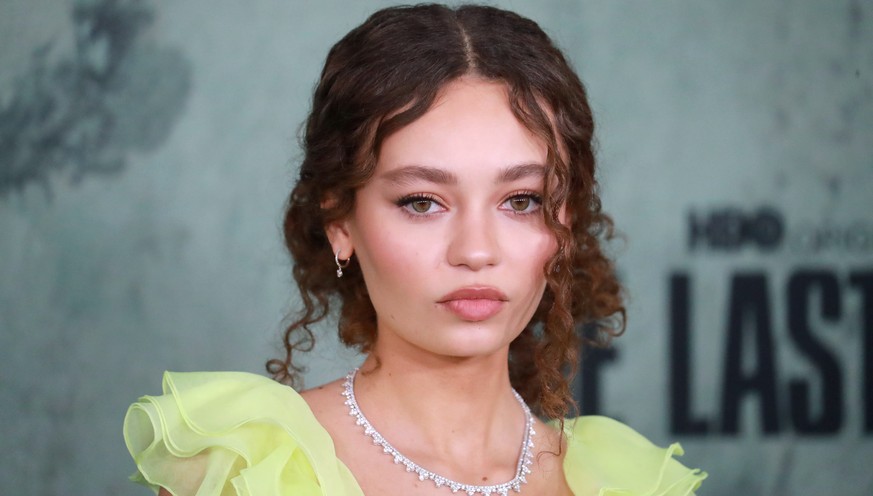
pixel 395 249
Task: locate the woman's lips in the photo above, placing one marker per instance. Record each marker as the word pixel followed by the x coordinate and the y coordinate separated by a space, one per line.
pixel 474 304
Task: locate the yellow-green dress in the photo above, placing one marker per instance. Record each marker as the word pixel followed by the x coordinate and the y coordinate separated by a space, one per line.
pixel 240 434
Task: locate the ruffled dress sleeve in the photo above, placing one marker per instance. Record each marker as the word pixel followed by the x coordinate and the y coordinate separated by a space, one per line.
pixel 232 434
pixel 607 458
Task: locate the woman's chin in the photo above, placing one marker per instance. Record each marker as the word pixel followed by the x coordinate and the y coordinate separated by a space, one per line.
pixel 479 343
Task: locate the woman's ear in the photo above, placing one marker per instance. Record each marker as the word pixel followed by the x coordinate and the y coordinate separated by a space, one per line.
pixel 339 235
pixel 338 232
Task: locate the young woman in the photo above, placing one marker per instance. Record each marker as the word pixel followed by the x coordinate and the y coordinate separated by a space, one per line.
pixel 447 208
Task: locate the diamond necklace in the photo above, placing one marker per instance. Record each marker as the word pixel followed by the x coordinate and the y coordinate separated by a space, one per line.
pixel 521 470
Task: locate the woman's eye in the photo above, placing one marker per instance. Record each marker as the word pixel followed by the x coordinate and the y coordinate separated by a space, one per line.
pixel 523 204
pixel 519 204
pixel 419 205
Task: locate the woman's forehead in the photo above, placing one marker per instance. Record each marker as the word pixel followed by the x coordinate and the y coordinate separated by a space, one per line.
pixel 470 124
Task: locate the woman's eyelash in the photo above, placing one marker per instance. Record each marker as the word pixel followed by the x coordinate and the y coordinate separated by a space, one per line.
pixel 406 200
pixel 533 195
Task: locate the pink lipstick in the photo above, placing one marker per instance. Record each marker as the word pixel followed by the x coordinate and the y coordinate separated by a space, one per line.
pixel 474 304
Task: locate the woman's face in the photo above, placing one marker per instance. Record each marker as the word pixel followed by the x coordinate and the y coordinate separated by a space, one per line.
pixel 449 231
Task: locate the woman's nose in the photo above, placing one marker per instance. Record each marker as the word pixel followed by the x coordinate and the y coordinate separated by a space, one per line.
pixel 474 242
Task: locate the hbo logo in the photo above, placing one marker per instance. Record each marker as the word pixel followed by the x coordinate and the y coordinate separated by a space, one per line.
pixel 730 229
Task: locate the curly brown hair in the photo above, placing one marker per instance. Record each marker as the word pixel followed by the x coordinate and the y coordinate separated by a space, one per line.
pixel 385 74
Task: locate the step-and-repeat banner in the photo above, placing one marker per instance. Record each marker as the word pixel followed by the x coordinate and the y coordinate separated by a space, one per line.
pixel 146 149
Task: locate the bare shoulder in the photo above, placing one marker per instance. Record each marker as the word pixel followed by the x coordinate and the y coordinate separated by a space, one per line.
pixel 550 444
pixel 329 408
pixel 325 401
pixel 548 464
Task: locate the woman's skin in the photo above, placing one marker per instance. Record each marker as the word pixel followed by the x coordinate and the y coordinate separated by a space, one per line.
pixel 451 241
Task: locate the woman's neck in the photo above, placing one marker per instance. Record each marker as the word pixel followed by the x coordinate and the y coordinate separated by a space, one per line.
pixel 453 406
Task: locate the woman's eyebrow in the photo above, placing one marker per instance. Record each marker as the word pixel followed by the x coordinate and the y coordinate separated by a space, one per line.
pixel 411 173
pixel 516 172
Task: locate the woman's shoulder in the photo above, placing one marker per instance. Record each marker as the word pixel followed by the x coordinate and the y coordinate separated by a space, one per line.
pixel 607 457
pixel 212 431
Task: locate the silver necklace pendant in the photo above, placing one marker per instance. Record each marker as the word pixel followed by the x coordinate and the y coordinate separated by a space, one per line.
pixel 522 467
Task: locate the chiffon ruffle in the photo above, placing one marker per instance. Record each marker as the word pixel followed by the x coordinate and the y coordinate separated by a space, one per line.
pixel 232 434
pixel 240 434
pixel 607 458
